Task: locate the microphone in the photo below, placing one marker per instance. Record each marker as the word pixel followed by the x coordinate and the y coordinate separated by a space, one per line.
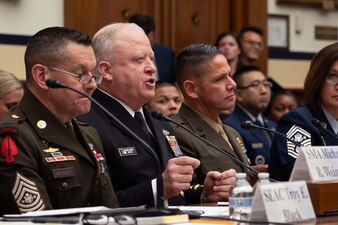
pixel 160 116
pixel 322 125
pixel 248 125
pixel 57 84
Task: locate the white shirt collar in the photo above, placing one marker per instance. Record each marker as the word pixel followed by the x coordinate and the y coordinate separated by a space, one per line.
pixel 332 121
pixel 130 111
pixel 259 117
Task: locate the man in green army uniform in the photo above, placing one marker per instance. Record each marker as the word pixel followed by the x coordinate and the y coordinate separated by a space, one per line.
pixel 48 159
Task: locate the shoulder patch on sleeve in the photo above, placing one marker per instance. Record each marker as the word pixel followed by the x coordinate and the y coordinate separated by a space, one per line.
pixel 8 149
pixel 26 195
pixel 298 135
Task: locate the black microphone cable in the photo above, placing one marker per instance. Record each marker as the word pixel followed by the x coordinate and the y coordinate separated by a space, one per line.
pixel 323 125
pixel 248 125
pixel 57 84
pixel 160 116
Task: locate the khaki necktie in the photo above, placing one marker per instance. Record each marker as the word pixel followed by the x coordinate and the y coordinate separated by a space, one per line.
pixel 224 135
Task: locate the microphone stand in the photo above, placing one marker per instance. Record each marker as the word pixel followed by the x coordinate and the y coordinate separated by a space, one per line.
pixel 248 125
pixel 323 125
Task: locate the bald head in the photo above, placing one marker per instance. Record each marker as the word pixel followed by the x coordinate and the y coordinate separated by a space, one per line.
pixel 106 39
pixel 125 59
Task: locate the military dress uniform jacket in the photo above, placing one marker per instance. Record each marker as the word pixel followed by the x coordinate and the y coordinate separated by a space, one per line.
pixel 257 142
pixel 211 159
pixel 132 165
pixel 43 166
pixel 297 126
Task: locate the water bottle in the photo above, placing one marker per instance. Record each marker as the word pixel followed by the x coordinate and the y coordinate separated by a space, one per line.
pixel 240 198
pixel 263 178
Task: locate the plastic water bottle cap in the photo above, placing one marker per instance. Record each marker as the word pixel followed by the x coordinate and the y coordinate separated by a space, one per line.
pixel 263 175
pixel 240 175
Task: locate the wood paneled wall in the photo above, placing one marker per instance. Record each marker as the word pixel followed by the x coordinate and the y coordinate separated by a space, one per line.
pixel 178 22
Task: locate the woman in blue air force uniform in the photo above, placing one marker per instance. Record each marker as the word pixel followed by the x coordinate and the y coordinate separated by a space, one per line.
pixel 321 97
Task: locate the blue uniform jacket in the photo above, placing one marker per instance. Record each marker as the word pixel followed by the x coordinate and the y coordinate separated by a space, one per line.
pixel 257 142
pixel 296 125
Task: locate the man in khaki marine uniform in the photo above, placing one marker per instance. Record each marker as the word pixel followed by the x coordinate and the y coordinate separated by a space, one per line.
pixel 203 75
pixel 48 160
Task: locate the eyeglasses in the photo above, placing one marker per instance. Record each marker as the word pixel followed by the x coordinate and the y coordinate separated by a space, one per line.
pixel 253 43
pixel 256 84
pixel 332 79
pixel 84 78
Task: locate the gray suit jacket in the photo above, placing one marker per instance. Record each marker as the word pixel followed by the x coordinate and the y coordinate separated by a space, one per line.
pixel 211 158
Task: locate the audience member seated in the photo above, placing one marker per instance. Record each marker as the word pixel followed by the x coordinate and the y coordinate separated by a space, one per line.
pixel 251 42
pixel 164 56
pixel 252 46
pixel 167 99
pixel 11 92
pixel 281 103
pixel 144 166
pixel 253 96
pixel 203 75
pixel 321 102
pixel 228 44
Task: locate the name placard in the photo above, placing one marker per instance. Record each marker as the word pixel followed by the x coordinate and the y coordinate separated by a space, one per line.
pixel 316 163
pixel 282 202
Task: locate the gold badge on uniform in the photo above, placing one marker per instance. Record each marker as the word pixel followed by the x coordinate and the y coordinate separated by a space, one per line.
pixel 41 124
pixel 51 150
pixel 173 143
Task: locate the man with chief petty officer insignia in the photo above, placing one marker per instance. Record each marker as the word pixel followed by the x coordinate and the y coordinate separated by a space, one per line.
pixel 44 165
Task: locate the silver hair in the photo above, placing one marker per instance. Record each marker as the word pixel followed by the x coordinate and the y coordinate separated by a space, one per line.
pixel 8 83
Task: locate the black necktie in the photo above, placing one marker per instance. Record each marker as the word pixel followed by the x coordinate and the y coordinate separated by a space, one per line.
pixel 139 119
pixel 258 123
pixel 266 133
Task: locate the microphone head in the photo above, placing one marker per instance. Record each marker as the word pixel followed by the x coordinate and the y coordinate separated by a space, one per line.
pixel 158 115
pixel 318 123
pixel 247 124
pixel 54 83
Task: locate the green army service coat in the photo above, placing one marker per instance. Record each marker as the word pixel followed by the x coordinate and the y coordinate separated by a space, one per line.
pixel 44 166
